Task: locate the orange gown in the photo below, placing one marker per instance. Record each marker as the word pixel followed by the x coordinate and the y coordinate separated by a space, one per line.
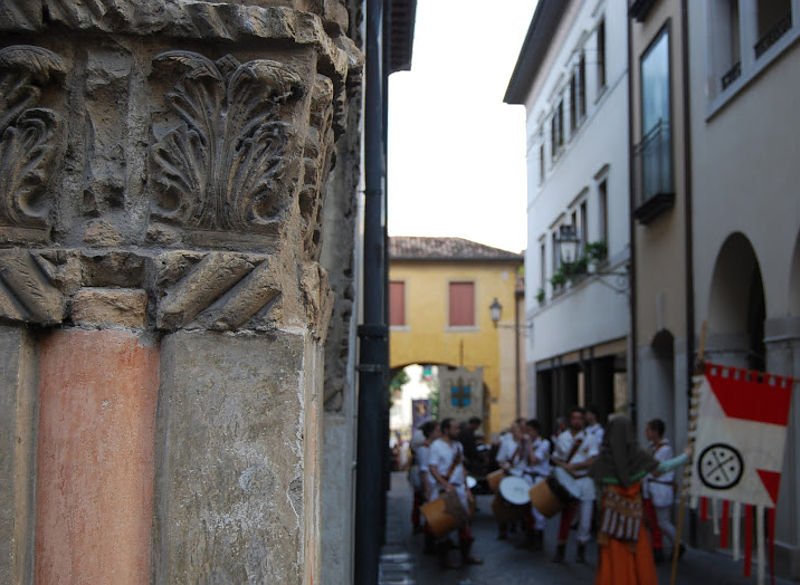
pixel 623 562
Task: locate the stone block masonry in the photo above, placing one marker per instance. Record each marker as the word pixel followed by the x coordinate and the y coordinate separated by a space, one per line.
pixel 163 310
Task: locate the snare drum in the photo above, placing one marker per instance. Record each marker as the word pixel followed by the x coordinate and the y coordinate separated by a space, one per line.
pixel 552 495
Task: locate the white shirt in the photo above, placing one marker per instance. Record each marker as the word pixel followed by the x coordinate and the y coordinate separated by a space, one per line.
pixel 660 488
pixel 441 457
pixel 512 452
pixel 541 450
pixel 596 431
pixel 586 451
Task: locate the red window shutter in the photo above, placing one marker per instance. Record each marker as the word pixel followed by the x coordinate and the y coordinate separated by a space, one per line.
pixel 462 304
pixel 397 303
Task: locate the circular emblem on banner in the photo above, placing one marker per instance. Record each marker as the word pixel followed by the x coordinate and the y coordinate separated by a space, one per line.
pixel 720 466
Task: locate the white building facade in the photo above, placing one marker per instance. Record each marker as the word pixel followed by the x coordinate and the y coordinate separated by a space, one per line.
pixel 744 83
pixel 573 82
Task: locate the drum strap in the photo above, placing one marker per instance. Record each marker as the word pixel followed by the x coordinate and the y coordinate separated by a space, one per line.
pixel 575 446
pixel 454 464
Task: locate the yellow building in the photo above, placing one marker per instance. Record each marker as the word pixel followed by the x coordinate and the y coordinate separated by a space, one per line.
pixel 440 293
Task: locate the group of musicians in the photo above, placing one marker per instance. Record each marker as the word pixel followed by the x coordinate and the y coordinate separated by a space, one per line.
pixel 525 459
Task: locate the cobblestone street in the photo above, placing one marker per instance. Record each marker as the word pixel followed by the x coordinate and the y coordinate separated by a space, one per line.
pixel 404 563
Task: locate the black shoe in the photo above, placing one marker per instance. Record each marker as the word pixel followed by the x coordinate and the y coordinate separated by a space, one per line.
pixel 658 555
pixel 581 556
pixel 681 551
pixel 559 556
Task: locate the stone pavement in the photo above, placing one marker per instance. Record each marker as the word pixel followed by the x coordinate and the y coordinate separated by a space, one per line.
pixel 404 564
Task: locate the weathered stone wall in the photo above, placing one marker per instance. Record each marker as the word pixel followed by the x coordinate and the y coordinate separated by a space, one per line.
pixel 162 180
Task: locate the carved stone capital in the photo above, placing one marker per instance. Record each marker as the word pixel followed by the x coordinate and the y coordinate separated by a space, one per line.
pixel 29 140
pixel 225 159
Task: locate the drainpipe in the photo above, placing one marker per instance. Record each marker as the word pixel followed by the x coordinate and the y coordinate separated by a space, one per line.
pixel 373 333
pixel 632 338
pixel 517 330
pixel 689 258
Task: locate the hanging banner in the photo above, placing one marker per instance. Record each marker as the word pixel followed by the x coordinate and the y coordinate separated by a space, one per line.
pixel 740 431
pixel 420 411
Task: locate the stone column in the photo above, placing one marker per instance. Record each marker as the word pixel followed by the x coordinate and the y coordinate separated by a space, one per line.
pixel 782 340
pixel 161 187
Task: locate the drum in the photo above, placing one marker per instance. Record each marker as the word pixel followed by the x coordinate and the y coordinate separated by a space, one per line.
pixel 515 490
pixel 550 496
pixel 444 514
pixel 494 479
pixel 511 500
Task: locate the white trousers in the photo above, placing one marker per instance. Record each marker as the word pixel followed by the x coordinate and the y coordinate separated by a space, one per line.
pixel 664 517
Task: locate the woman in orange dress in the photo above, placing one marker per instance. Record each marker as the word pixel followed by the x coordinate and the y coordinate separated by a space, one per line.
pixel 626 557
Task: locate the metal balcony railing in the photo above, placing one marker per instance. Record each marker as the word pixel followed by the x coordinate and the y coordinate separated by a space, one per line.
pixel 653 164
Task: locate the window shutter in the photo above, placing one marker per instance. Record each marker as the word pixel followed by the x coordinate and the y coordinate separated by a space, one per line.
pixel 462 304
pixel 397 303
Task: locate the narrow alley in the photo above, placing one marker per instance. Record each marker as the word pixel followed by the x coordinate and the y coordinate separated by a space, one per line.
pixel 402 561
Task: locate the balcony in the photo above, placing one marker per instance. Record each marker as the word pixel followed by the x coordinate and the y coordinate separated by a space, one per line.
pixel 653 177
pixel 773 34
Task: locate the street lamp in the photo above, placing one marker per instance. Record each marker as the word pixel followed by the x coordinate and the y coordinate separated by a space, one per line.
pixel 568 243
pixel 495 310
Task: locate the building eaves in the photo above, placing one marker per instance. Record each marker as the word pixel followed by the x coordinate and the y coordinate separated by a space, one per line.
pixel 540 33
pixel 402 17
pixel 446 250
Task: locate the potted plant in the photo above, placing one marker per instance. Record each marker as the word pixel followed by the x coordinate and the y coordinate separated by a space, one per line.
pixel 540 296
pixel 596 251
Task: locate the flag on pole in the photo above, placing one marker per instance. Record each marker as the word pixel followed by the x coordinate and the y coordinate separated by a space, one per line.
pixel 741 435
pixel 738 429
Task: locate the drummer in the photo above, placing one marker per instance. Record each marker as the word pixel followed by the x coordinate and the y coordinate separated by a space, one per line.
pixel 511 459
pixel 537 468
pixel 575 451
pixel 431 432
pixel 446 466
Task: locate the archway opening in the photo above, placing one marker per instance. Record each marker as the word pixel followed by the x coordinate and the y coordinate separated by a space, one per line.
pixel 794 280
pixel 737 307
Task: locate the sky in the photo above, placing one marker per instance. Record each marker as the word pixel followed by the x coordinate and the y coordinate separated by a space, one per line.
pixel 456 151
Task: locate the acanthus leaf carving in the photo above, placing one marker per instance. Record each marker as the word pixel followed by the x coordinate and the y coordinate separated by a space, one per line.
pixel 224 165
pixel 29 136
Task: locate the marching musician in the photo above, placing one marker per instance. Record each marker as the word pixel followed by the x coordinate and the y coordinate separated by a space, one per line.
pixel 446 466
pixel 575 451
pixel 431 432
pixel 511 459
pixel 593 427
pixel 537 468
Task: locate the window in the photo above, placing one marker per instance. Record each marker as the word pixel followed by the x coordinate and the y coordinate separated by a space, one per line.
pixel 727 49
pixel 397 303
pixel 774 19
pixel 602 200
pixel 542 266
pixel 557 129
pixel 556 257
pixel 462 304
pixel 573 103
pixel 582 87
pixel 541 162
pixel 653 154
pixel 601 56
pixel 584 227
